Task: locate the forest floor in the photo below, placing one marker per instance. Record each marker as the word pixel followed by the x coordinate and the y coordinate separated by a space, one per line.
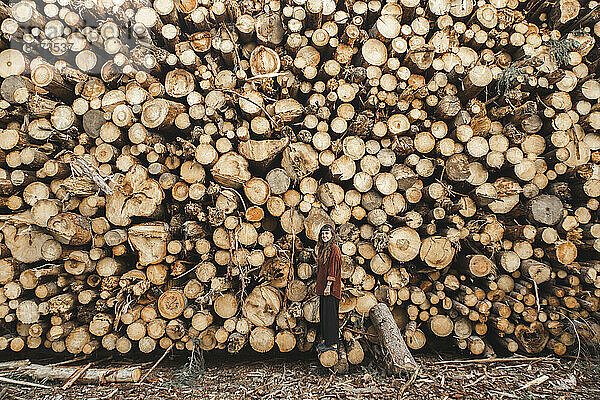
pixel 299 376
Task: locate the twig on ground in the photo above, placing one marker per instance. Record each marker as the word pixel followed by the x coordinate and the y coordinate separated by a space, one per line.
pixel 537 381
pixel 503 394
pixel 491 360
pixel 155 364
pixel 409 382
pixel 73 378
pixel 23 383
pixel 329 381
pixel 476 381
pixel 14 364
pixel 72 360
pixel 111 394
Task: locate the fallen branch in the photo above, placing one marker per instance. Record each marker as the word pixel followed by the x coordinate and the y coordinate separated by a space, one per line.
pixel 409 382
pixel 14 364
pixel 76 376
pixel 71 361
pixel 535 382
pixel 110 395
pixel 155 364
pixel 503 360
pixel 23 383
pixel 95 375
pixel 397 355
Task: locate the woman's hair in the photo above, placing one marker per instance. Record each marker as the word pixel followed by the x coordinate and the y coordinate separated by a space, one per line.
pixel 323 249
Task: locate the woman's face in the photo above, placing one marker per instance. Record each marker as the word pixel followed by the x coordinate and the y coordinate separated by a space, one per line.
pixel 326 235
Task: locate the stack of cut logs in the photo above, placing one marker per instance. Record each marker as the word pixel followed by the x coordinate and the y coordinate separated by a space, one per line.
pixel 165 168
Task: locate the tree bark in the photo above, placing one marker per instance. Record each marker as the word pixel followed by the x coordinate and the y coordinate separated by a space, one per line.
pixel 397 356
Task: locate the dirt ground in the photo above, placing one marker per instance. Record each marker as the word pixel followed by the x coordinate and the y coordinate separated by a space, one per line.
pixel 223 376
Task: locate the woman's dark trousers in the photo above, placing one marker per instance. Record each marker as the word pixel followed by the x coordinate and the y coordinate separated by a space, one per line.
pixel 329 320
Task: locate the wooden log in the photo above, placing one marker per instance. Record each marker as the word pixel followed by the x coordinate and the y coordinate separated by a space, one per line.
pixel 262 339
pixel 479 265
pixel 171 304
pixel 328 358
pixel 262 305
pixel 535 270
pixel 231 170
pixel 149 240
pixel 411 130
pixel 355 352
pixel 91 375
pixel 262 151
pixel 285 340
pixel 225 306
pixel 404 244
pixel 397 355
pixel 160 113
pixel 70 228
pixel 441 325
pixel 545 209
pixel 437 252
pixel 533 338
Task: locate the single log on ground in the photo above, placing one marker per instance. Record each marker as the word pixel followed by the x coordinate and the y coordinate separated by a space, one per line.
pixel 397 356
pixel 90 376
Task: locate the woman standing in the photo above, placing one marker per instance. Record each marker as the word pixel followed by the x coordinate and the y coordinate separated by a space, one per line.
pixel 329 286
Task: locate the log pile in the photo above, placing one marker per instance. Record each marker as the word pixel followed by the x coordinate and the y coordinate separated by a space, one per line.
pixel 165 168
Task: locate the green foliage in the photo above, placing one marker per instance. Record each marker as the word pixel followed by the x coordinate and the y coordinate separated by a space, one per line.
pixel 559 49
pixel 509 77
pixel 189 373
